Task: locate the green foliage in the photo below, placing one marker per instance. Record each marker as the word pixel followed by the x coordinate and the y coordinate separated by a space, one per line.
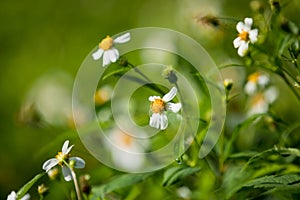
pixel 22 191
pixel 175 174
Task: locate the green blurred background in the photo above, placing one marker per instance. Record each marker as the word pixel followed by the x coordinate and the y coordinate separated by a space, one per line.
pixel 50 37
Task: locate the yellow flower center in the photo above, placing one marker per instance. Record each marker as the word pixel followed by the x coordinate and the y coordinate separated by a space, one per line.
pixel 244 35
pixel 157 106
pixel 257 99
pixel 61 157
pixel 253 77
pixel 126 139
pixel 106 43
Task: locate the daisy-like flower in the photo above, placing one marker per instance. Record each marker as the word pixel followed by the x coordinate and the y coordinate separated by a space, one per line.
pixel 61 158
pixel 13 196
pixel 245 36
pixel 159 106
pixel 260 102
pixel 107 49
pixel 256 80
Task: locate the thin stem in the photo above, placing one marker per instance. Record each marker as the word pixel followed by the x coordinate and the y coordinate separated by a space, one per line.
pixel 76 184
pixel 290 86
pixel 74 180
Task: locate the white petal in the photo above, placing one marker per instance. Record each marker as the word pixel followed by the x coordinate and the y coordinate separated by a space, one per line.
pixel 65 146
pixel 67 173
pixel 113 55
pixel 106 60
pixel 154 120
pixel 253 35
pixel 248 22
pixel 97 54
pixel 174 107
pixel 163 121
pixel 237 42
pixel 12 196
pixel 271 94
pixel 50 164
pixel 79 163
pixel 123 38
pixel 243 48
pixel 263 80
pixel 240 27
pixel 250 88
pixel 26 197
pixel 170 95
pixel 152 98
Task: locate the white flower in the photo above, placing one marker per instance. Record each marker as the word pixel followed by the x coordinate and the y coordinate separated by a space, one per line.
pixel 245 36
pixel 127 151
pixel 256 80
pixel 13 196
pixel 260 102
pixel 107 49
pixel 63 157
pixel 159 105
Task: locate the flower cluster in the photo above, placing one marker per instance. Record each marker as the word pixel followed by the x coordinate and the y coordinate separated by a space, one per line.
pixel 260 96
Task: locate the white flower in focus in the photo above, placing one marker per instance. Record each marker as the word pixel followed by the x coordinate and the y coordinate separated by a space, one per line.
pixel 13 196
pixel 107 49
pixel 159 106
pixel 260 102
pixel 256 80
pixel 245 36
pixel 63 157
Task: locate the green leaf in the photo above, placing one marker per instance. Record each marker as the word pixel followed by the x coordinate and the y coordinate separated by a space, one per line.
pixel 237 130
pixel 28 185
pixel 177 173
pixel 121 181
pixel 273 181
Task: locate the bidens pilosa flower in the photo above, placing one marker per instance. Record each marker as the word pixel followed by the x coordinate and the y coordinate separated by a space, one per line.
pixel 107 49
pixel 159 106
pixel 255 81
pixel 61 159
pixel 245 36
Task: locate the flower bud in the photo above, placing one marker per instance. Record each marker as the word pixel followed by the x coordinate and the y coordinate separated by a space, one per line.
pixel 42 190
pixel 169 74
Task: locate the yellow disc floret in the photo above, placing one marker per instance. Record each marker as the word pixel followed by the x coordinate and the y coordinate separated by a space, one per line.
pixel 61 157
pixel 254 77
pixel 106 43
pixel 157 106
pixel 244 35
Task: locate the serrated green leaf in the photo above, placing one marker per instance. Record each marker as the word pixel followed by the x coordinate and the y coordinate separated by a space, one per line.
pixel 273 181
pixel 28 185
pixel 121 181
pixel 289 151
pixel 174 174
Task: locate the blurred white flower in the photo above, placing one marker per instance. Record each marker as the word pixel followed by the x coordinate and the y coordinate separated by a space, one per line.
pixel 159 106
pixel 107 49
pixel 256 80
pixel 184 192
pixel 13 196
pixel 259 103
pixel 127 151
pixel 63 157
pixel 246 35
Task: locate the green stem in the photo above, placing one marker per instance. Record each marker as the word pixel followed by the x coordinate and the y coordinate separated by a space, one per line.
pixel 290 86
pixel 74 180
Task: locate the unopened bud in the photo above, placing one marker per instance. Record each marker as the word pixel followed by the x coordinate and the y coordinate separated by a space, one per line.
pixel 169 74
pixel 228 83
pixel 42 190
